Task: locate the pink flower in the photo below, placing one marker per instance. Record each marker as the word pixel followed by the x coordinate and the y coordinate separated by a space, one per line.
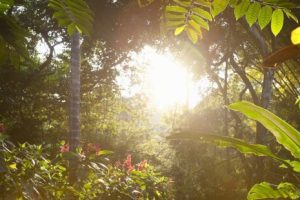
pixel 127 163
pixel 64 148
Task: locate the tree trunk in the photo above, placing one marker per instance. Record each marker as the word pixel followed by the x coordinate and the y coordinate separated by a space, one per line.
pixel 74 123
pixel 266 96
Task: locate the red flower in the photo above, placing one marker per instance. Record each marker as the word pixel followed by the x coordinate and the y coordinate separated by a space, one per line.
pixel 127 163
pixel 1 128
pixel 64 148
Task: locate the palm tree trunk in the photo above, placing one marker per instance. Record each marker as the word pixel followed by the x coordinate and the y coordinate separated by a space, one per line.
pixel 74 126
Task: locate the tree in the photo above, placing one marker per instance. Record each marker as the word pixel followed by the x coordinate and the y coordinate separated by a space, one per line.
pixel 77 18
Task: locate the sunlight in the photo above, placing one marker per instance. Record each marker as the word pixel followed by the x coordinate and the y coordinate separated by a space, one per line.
pixel 167 82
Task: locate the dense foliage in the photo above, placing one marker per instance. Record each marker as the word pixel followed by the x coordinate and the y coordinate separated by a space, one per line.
pixel 40 172
pixel 225 41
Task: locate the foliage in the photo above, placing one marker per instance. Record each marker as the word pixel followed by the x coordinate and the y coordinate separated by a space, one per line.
pixel 75 15
pixel 284 133
pixel 266 190
pixel 12 35
pixel 26 172
pixel 194 16
pixel 5 5
pixel 36 171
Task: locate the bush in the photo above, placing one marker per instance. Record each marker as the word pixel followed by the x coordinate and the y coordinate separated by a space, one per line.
pixel 31 172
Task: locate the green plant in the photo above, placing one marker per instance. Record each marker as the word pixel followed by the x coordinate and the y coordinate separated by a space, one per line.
pixel 285 135
pixel 40 172
pixel 192 16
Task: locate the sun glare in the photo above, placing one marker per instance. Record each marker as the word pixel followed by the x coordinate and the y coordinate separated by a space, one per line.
pixel 167 82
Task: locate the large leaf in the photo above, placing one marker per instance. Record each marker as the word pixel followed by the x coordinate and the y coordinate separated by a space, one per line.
pixel 266 190
pixel 202 13
pixel 264 16
pixel 219 6
pixel 223 141
pixel 200 21
pixel 241 9
pixel 252 13
pixel 277 21
pixel 284 133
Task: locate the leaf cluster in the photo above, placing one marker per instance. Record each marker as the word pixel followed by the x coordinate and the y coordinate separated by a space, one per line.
pixel 192 16
pixel 74 15
pixel 40 172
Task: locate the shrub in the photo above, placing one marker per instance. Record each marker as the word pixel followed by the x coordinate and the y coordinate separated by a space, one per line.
pixel 31 172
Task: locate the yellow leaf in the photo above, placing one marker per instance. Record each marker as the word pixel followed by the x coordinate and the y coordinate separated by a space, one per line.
pixel 13 166
pixel 295 36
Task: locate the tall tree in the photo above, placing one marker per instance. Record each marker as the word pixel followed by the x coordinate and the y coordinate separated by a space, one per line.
pixel 74 126
pixel 77 18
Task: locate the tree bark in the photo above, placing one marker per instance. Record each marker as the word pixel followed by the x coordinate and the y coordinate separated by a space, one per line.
pixel 74 123
pixel 266 96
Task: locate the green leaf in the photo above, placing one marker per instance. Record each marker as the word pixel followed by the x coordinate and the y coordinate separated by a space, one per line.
pixel 192 34
pixel 252 13
pixel 177 9
pixel 284 133
pixel 266 190
pixel 295 38
pixel 277 21
pixel 179 30
pixel 265 16
pixel 295 165
pixel 241 9
pixel 291 15
pixel 104 153
pixel 202 13
pixel 170 16
pixel 72 15
pixel 183 3
pixel 218 6
pixel 233 3
pixel 203 3
pixel 175 23
pixel 223 141
pixel 200 21
pixel 196 27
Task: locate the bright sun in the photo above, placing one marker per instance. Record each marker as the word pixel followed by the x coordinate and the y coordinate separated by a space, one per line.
pixel 165 81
